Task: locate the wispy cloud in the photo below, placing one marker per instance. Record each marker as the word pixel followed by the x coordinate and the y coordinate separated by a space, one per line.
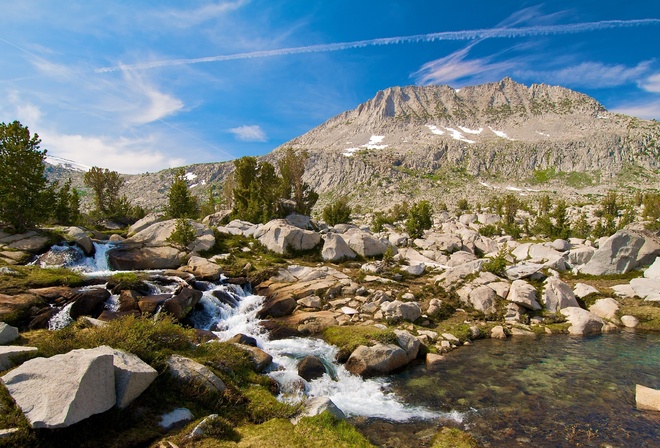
pixel 647 109
pixel 151 104
pixel 489 33
pixel 591 74
pixel 184 18
pixel 651 84
pixel 249 133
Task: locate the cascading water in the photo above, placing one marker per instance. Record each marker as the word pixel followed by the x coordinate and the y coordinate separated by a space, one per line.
pixel 228 310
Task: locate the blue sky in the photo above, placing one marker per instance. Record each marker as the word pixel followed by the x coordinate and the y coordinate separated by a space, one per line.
pixel 139 86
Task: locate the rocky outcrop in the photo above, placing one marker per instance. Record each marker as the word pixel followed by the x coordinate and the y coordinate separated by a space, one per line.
pixel 7 333
pixel 523 294
pixel 398 311
pixel 335 249
pixel 557 295
pixel 7 352
pixel 202 269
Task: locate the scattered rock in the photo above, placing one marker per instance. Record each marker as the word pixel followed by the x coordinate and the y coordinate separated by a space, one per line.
pixel 629 321
pixel 582 321
pixel 433 360
pixel 647 398
pixel 259 358
pixel 409 343
pixel 557 295
pixel 617 255
pixel 319 405
pixel 397 311
pixel 605 308
pixel 187 370
pixel 497 332
pixel 523 294
pixel 176 418
pixel 8 351
pixel 379 359
pixel 7 333
pixel 484 299
pixel 582 290
pixel 311 368
pixel 335 249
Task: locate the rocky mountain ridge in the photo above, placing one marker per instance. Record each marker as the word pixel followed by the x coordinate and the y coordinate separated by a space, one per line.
pixel 415 142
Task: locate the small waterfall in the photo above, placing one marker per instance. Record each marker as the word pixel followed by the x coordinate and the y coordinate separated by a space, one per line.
pixel 228 310
pixel 61 319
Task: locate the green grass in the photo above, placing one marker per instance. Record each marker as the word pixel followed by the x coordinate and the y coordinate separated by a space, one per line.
pixel 348 338
pixel 648 313
pixel 454 438
pixel 27 277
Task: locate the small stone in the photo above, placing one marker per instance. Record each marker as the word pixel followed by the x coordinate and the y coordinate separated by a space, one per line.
pixel 629 321
pixel 497 332
pixel 176 417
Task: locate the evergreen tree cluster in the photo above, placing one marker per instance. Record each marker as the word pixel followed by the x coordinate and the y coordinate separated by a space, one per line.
pixel 259 194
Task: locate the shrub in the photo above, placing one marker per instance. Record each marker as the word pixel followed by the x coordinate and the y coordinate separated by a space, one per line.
pixel 183 233
pixel 419 219
pixel 497 264
pixel 339 212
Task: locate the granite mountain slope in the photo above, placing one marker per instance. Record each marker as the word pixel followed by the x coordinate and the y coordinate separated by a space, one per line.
pixel 435 141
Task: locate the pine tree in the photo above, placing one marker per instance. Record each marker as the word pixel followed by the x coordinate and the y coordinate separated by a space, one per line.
pixel 181 204
pixel 24 194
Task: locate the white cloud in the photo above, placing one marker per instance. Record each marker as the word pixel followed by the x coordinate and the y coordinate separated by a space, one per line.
pixel 591 74
pixel 129 156
pixel 648 109
pixel 247 133
pixel 151 104
pixel 455 67
pixel 651 84
pixel 191 17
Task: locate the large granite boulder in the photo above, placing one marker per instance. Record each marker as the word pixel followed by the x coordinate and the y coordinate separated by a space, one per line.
pixel 80 237
pixel 557 295
pixel 364 243
pixel 617 255
pixel 483 298
pixel 145 222
pixel 409 343
pixel 523 294
pixel 653 271
pixel 277 307
pixel 128 258
pixel 379 359
pixel 645 287
pixel 605 308
pixel 132 375
pixel 319 405
pixel 582 321
pixel 336 249
pixel 59 391
pixel 202 269
pixel 283 238
pixel 398 311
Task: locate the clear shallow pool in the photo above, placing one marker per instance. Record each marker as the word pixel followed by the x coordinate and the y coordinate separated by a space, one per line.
pixel 544 392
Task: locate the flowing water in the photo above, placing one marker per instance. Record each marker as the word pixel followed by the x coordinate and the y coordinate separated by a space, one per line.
pixel 550 391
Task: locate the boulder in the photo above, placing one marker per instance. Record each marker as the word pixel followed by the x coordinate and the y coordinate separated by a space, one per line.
pixel 629 321
pixel 318 405
pixel 144 223
pixel 150 304
pixel 645 287
pixel 605 308
pixel 311 368
pixel 582 321
pixel 30 241
pixel 560 245
pixel 379 359
pixel 300 221
pixel 9 351
pixel 89 302
pixel 582 290
pixel 647 398
pixel 130 258
pixel 483 298
pixel 434 361
pixel 132 375
pixel 580 255
pixel 281 237
pixel 188 371
pixel 523 270
pixel 59 391
pixel 397 311
pixel 216 219
pixel 259 358
pixel 497 332
pixel 364 243
pixel 182 303
pixel 617 255
pixel 523 294
pixel 409 343
pixel 80 237
pixel 202 269
pixel 335 249
pixel 7 333
pixel 557 295
pixel 653 271
pixel 277 307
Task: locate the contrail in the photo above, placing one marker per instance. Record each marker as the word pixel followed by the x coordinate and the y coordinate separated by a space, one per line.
pixel 431 37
